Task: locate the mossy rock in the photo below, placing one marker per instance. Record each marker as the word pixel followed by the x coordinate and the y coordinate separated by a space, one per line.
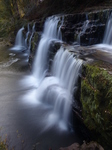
pixel 34 42
pixel 96 98
pixel 100 15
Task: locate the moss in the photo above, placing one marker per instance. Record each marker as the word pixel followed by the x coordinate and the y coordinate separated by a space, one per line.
pixel 34 42
pixel 75 37
pixel 100 15
pixel 96 98
pixel 4 144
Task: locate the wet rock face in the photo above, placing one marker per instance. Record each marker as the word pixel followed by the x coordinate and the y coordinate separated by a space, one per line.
pixel 72 24
pixel 85 29
pixel 39 26
pixel 34 44
pixel 93 35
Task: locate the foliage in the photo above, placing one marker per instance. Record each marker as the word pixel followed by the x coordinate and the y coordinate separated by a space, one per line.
pixel 4 144
pixel 96 97
pixel 26 6
pixel 12 15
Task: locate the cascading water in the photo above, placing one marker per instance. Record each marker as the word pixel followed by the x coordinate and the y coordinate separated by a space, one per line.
pixel 64 70
pixel 27 36
pixel 33 30
pixel 19 42
pixel 83 29
pixel 106 45
pixel 108 32
pixel 57 89
pixel 50 34
pixel 59 30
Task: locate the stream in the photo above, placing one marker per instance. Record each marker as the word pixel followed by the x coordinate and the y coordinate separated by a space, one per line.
pixel 20 118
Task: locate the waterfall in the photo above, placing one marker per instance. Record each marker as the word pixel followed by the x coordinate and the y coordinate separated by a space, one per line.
pixel 32 33
pixel 59 31
pixel 108 32
pixel 62 68
pixel 27 36
pixel 106 45
pixel 19 42
pixel 57 90
pixel 83 29
pixel 50 33
pixel 53 93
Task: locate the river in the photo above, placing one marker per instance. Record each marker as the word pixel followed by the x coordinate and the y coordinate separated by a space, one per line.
pixel 20 116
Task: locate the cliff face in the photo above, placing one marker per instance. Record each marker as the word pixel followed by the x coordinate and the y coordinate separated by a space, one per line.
pixel 82 28
pixel 85 28
pixel 49 7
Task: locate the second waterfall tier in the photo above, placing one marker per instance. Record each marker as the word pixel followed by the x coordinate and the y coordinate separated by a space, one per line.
pixel 57 89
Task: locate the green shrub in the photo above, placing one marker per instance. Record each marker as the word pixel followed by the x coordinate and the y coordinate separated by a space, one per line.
pixel 96 98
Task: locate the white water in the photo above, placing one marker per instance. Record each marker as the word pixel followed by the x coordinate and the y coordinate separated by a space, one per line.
pixel 26 39
pixel 53 93
pixel 32 33
pixel 106 46
pixel 19 42
pixel 108 32
pixel 66 69
pixel 56 90
pixel 50 34
pixel 83 29
pixel 59 30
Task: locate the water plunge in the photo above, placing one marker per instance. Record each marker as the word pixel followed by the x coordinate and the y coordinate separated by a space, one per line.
pixel 106 45
pixel 56 91
pixel 66 69
pixel 50 34
pixel 108 32
pixel 19 41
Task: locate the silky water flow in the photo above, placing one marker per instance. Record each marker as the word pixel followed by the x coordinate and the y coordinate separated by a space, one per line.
pixel 19 41
pixel 55 92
